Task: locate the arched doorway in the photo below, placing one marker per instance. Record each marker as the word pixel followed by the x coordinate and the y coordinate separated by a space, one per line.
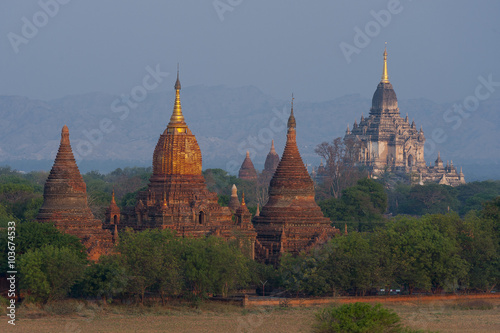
pixel 410 161
pixel 201 217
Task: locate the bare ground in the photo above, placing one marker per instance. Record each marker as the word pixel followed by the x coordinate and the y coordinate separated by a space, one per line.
pixel 75 317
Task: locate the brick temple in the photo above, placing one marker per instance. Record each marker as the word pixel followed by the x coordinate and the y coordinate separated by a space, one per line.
pixel 177 196
pixel 290 221
pixel 247 170
pixel 65 203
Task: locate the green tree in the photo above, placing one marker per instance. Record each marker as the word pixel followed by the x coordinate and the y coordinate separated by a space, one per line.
pixel 34 235
pixel 427 258
pixel 151 261
pixel 105 278
pixel 362 206
pixel 48 273
pixel 212 265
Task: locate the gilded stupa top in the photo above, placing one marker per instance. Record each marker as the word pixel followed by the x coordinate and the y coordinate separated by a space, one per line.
pixel 385 76
pixel 177 122
pixel 384 99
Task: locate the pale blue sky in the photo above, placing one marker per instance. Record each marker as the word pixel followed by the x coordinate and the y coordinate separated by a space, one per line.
pixel 437 49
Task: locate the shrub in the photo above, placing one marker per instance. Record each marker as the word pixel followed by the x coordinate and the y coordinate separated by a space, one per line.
pixel 357 317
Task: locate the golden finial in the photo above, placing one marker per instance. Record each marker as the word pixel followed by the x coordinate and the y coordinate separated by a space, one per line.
pixel 113 197
pixel 177 119
pixel 385 76
pixel 243 199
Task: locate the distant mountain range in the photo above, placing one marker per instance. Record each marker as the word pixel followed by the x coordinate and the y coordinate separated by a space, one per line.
pixel 227 122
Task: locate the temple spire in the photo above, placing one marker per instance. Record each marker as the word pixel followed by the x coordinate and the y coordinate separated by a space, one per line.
pixel 177 118
pixel 113 197
pixel 385 76
pixel 273 151
pixel 291 119
pixel 65 135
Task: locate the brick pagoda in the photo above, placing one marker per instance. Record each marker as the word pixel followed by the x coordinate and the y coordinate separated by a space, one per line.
pixel 291 221
pixel 247 170
pixel 272 161
pixel 65 203
pixel 177 196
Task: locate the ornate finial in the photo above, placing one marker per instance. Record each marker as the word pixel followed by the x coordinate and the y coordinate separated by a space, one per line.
pixel 177 82
pixel 248 154
pixel 243 199
pixel 385 76
pixel 273 151
pixel 291 119
pixel 177 119
pixel 113 197
pixel 65 135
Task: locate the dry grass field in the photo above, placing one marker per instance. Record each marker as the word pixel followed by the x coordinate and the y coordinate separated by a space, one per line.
pixel 478 315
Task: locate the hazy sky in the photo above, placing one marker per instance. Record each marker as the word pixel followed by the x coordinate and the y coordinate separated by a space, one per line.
pixel 437 49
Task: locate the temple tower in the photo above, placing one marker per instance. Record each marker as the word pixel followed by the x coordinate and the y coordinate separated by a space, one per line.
pixel 272 161
pixel 234 202
pixel 384 138
pixel 291 221
pixel 177 196
pixel 247 170
pixel 65 203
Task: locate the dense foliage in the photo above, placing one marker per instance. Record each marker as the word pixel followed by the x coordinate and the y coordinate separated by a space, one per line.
pixel 435 198
pixel 361 206
pixel 433 253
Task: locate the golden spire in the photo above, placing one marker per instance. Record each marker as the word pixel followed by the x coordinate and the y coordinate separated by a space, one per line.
pixel 243 199
pixel 385 76
pixel 113 197
pixel 177 119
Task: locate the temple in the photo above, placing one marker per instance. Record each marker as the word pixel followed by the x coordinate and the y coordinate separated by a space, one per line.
pixel 387 142
pixel 177 196
pixel 247 170
pixel 270 165
pixel 290 221
pixel 65 203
